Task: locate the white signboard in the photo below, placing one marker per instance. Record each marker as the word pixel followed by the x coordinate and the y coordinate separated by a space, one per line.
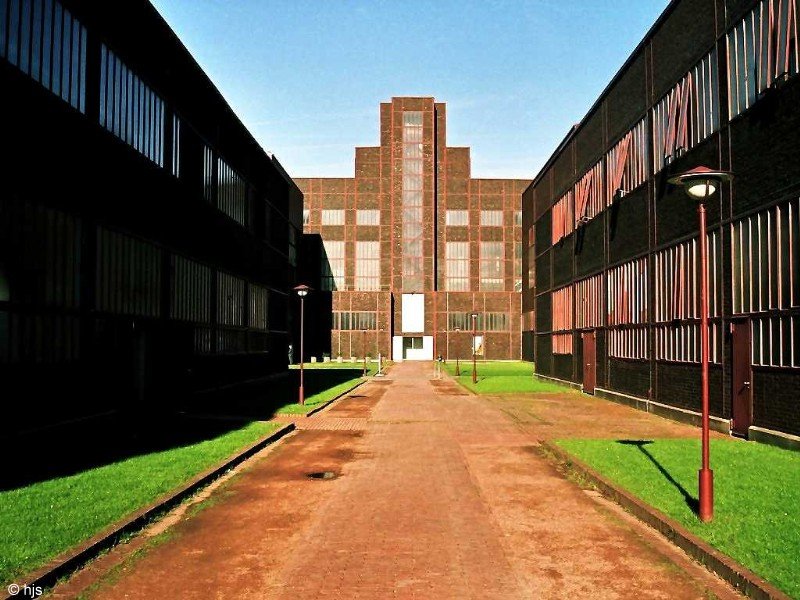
pixel 413 311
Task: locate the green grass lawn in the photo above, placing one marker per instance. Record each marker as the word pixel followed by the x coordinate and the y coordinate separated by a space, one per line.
pixel 40 520
pixel 756 495
pixel 501 377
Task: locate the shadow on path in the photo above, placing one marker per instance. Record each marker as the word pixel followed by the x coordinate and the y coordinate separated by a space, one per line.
pixel 690 500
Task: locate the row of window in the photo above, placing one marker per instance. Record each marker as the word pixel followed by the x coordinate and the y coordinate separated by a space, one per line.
pixel 486 321
pixel 44 41
pixel 413 262
pixel 765 251
pixel 761 48
pixel 355 321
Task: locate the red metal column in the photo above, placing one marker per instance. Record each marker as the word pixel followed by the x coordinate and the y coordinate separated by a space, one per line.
pixel 301 399
pixel 706 475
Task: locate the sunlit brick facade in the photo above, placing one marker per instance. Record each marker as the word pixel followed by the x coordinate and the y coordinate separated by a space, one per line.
pixel 412 244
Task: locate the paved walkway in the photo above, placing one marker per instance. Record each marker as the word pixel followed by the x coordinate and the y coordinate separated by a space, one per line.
pixel 438 494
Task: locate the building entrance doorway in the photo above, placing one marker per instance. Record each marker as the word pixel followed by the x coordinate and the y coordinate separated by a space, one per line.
pixel 741 378
pixel 589 362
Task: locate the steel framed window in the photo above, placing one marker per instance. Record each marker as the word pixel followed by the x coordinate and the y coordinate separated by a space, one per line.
pixel 765 257
pixel 626 162
pixel 413 265
pixel 680 342
pixel 333 265
pixel 368 266
pixel 332 216
pixel 368 216
pixel 563 221
pixel 628 342
pixel 589 302
pixel 562 305
pixel 677 289
pixel 688 114
pixel 762 47
pixel 456 218
pixel 562 343
pixel 492 267
pixel 627 293
pixel 590 194
pixel 775 340
pixel 191 291
pixel 457 262
pixel 491 218
pixel 232 193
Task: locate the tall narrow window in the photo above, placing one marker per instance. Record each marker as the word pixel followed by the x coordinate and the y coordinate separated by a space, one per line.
pixel 231 193
pixel 368 266
pixel 590 194
pixel 626 162
pixel 413 265
pixel 129 108
pixel 176 146
pixel 688 114
pixel 563 221
pixel 333 265
pixel 457 266
pixel 589 302
pixel 44 41
pixel 492 267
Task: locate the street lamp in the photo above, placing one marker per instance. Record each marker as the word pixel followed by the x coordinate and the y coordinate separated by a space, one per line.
pixel 458 369
pixel 699 184
pixel 364 350
pixel 474 317
pixel 302 291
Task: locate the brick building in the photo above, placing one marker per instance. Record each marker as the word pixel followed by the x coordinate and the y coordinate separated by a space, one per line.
pixel 611 247
pixel 412 245
pixel 146 240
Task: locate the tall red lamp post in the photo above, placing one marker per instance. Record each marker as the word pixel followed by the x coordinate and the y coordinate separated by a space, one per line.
pixel 302 291
pixel 699 184
pixel 474 317
pixel 458 369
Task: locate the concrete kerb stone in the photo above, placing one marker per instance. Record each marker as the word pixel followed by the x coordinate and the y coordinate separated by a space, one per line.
pixel 740 577
pixel 73 559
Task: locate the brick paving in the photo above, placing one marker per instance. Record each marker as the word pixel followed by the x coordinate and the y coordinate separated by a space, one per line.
pixel 437 494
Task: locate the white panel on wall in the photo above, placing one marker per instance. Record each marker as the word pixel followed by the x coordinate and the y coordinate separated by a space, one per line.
pixel 413 309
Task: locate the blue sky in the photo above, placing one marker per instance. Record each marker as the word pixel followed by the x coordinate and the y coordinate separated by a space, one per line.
pixel 306 76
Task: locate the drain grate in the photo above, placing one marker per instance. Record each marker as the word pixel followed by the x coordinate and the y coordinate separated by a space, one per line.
pixel 321 475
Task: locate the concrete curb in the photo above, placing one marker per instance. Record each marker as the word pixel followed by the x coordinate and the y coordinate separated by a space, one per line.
pixel 326 404
pixel 741 578
pixel 73 559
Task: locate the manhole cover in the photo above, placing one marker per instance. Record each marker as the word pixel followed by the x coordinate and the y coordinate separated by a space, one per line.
pixel 321 475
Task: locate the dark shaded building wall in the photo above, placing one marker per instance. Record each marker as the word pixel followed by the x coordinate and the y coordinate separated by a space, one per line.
pixel 147 242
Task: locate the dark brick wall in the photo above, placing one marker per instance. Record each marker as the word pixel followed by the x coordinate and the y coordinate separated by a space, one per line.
pixel 629 376
pixel 528 346
pixel 543 281
pixel 544 352
pixel 544 312
pixel 562 366
pixel 772 126
pixel 588 247
pixel 627 226
pixel 776 400
pixel 678 384
pixel 627 100
pixel 562 261
pixel 600 348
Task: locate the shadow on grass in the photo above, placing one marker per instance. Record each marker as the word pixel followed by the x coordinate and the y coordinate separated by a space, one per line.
pixel 171 423
pixel 261 401
pixel 76 447
pixel 690 500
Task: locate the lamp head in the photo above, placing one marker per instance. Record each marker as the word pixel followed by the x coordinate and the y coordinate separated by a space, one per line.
pixel 302 290
pixel 701 182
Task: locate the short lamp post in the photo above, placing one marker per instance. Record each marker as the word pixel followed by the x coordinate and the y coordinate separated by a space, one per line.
pixel 699 184
pixel 458 369
pixel 474 317
pixel 302 291
pixel 364 350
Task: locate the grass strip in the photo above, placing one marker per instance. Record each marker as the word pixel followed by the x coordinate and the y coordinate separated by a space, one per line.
pixel 756 495
pixel 501 377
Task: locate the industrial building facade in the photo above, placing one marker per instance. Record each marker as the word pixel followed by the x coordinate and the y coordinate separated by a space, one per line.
pixel 412 245
pixel 611 279
pixel 146 240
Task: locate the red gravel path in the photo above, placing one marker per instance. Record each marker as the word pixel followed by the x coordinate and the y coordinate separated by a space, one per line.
pixel 438 495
